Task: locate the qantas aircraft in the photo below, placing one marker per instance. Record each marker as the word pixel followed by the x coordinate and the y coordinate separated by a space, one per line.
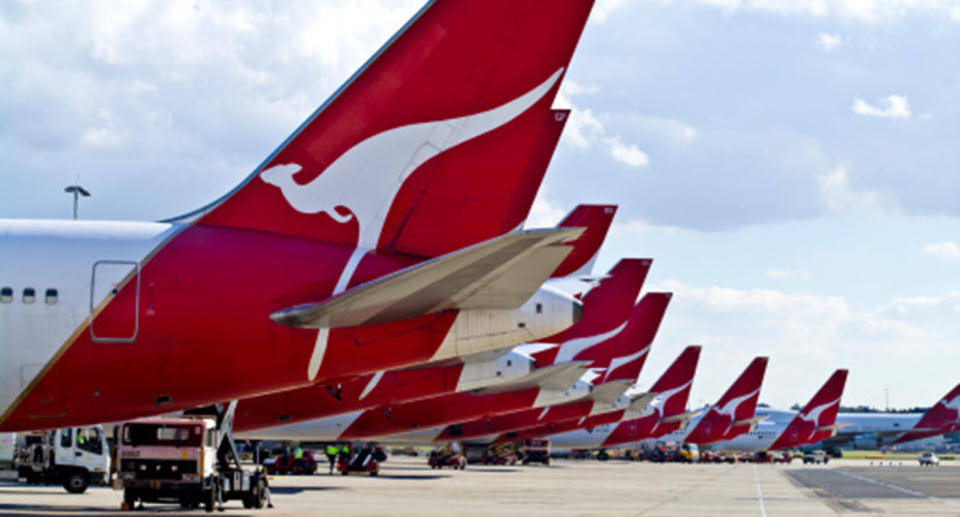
pixel 381 233
pixel 667 413
pixel 815 422
pixel 424 421
pixel 618 288
pixel 610 391
pixel 732 415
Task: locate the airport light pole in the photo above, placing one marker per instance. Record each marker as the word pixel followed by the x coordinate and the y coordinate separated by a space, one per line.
pixel 77 191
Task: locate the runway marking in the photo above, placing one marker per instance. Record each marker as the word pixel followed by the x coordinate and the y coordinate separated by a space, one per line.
pixel 899 488
pixel 756 479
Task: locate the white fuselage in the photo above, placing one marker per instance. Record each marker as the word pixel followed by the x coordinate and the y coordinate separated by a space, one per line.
pixel 61 256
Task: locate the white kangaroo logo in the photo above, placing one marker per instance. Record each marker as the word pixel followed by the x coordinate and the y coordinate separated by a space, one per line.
pixel 953 404
pixel 617 362
pixel 730 408
pixel 367 177
pixel 813 416
pixel 569 349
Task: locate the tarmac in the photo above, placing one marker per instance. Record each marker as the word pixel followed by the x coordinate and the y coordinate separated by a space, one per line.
pixel 406 486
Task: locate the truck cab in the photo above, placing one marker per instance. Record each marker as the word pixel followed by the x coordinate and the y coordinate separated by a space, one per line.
pixel 73 456
pixel 182 460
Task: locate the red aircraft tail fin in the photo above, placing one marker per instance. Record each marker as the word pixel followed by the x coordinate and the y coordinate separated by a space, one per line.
pixel 606 309
pixel 673 387
pixel 816 421
pixel 740 400
pixel 825 404
pixel 942 417
pixel 630 350
pixel 596 219
pixel 450 83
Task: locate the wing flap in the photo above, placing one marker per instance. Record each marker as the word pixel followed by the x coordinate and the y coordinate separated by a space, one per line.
pixel 467 278
pixel 609 392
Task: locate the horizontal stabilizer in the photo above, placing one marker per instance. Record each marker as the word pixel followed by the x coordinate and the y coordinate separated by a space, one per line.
pixel 831 428
pixel 609 392
pixel 500 273
pixel 641 401
pixel 683 418
pixel 554 377
pixel 752 422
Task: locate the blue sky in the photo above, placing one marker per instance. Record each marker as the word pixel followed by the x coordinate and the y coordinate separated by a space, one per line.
pixel 791 166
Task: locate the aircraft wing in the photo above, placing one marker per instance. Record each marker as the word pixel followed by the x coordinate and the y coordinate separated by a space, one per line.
pixel 683 418
pixel 609 392
pixel 554 377
pixel 752 422
pixel 641 401
pixel 500 273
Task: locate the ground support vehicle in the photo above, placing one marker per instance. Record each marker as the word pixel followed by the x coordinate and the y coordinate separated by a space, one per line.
pixel 191 460
pixel 362 459
pixel 447 456
pixel 536 450
pixel 815 457
pixel 929 459
pixel 74 457
pixel 287 463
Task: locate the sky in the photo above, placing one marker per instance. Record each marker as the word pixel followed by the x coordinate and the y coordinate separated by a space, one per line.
pixel 792 166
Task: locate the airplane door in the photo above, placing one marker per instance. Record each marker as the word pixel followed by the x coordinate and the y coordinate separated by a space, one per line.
pixel 114 301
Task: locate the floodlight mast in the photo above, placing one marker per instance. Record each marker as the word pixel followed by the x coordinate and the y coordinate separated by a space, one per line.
pixel 77 191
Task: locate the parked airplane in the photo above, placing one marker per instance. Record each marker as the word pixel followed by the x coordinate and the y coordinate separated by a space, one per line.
pixel 732 415
pixel 373 237
pixel 424 420
pixel 609 387
pixel 942 418
pixel 815 422
pixel 619 287
pixel 667 413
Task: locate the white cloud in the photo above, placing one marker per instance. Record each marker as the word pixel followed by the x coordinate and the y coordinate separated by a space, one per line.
pixel 828 42
pixel 603 8
pixel 911 305
pixel 839 197
pixel 948 249
pixel 584 130
pixel 626 153
pixel 544 214
pixel 868 11
pixel 789 273
pixel 893 106
pixel 815 309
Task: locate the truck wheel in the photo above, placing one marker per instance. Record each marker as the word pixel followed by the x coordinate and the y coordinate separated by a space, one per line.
pixel 260 495
pixel 76 482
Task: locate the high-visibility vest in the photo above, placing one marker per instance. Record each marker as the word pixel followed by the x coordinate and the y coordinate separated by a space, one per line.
pixel 297 453
pixel 332 449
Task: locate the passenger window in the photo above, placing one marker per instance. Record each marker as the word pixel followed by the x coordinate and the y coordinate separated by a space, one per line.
pixel 6 295
pixel 29 295
pixel 66 437
pixel 539 308
pixel 89 439
pixel 51 296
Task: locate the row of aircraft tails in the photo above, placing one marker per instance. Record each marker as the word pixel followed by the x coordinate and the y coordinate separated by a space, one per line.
pixel 372 279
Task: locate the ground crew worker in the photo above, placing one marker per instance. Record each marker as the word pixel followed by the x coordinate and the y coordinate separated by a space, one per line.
pixel 298 453
pixel 332 451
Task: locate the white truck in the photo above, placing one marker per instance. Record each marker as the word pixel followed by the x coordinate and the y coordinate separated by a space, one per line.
pixel 74 457
pixel 186 460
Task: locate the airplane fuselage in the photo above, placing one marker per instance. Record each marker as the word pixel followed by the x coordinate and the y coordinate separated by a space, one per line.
pixel 131 319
